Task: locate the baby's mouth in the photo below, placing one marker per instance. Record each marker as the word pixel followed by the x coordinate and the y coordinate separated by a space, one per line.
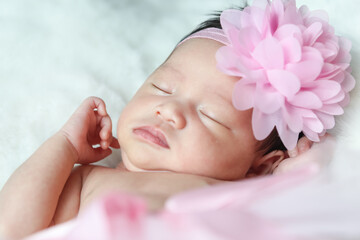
pixel 152 135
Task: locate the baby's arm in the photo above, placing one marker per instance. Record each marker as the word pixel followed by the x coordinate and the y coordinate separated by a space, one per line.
pixel 30 197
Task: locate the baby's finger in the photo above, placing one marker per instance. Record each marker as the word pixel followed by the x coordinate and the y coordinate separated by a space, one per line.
pixel 105 132
pixel 95 103
pixel 99 105
pixel 106 126
pixel 104 144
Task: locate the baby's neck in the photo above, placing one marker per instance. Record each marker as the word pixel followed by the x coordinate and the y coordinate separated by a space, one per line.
pixel 121 167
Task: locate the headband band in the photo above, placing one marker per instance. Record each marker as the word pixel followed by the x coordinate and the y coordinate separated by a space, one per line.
pixel 294 72
pixel 209 33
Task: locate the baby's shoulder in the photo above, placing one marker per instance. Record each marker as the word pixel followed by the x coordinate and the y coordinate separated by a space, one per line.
pixel 92 173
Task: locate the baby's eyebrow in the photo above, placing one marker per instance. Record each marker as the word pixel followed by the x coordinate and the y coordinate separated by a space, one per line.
pixel 176 73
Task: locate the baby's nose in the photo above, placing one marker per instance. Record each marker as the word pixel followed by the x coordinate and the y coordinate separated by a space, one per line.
pixel 172 113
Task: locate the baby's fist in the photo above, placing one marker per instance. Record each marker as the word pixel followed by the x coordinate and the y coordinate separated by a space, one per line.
pixel 89 126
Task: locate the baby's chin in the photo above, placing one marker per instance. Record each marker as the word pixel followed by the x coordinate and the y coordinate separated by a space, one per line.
pixel 127 165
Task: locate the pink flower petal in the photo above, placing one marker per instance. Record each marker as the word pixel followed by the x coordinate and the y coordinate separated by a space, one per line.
pixel 256 76
pixel 258 18
pixel 230 18
pixel 325 52
pixel 293 118
pixel 311 54
pixel 248 38
pixel 246 65
pixel 312 33
pixel 346 100
pixel 277 14
pixel 326 89
pixel 268 101
pixel 311 135
pixel 285 82
pixel 314 124
pixel 306 113
pixel 304 11
pixel 306 99
pixel 332 109
pixel 345 44
pixel 292 50
pixel 288 137
pixel 327 120
pixel 339 77
pixel 226 62
pixel 344 66
pixel 332 44
pixel 277 8
pixel 329 71
pixel 243 95
pixel 306 71
pixel 263 124
pixel 286 31
pixel 349 82
pixel 269 54
pixel 317 15
pixel 245 18
pixel 336 99
pixel 260 4
pixel 237 47
pixel 343 57
pixel 291 14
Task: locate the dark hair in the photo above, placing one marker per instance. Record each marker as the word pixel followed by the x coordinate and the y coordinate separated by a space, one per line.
pixel 213 22
pixel 273 141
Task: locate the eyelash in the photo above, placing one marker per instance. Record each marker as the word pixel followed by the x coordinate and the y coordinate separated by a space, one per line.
pixel 160 89
pixel 214 120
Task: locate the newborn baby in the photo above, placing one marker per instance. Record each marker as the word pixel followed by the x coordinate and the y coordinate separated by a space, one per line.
pixel 179 132
pixel 180 121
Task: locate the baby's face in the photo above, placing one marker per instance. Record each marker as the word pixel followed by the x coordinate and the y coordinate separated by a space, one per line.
pixel 182 119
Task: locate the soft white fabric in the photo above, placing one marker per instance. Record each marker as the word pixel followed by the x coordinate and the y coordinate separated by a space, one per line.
pixel 53 54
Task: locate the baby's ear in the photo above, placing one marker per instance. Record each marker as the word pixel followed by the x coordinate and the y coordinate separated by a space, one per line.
pixel 266 164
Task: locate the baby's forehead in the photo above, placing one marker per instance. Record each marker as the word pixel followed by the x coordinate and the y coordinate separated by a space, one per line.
pixel 168 68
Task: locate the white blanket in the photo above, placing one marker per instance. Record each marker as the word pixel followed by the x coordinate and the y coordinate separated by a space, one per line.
pixel 53 54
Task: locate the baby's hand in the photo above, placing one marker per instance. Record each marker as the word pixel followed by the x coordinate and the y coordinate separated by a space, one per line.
pixel 88 126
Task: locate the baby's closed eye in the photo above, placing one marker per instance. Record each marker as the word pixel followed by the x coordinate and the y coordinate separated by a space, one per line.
pixel 162 89
pixel 213 119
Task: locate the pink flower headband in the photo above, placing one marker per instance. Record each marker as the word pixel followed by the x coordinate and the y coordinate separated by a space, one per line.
pixel 295 72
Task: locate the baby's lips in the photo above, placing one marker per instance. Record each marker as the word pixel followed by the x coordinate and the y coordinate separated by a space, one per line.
pixel 152 134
